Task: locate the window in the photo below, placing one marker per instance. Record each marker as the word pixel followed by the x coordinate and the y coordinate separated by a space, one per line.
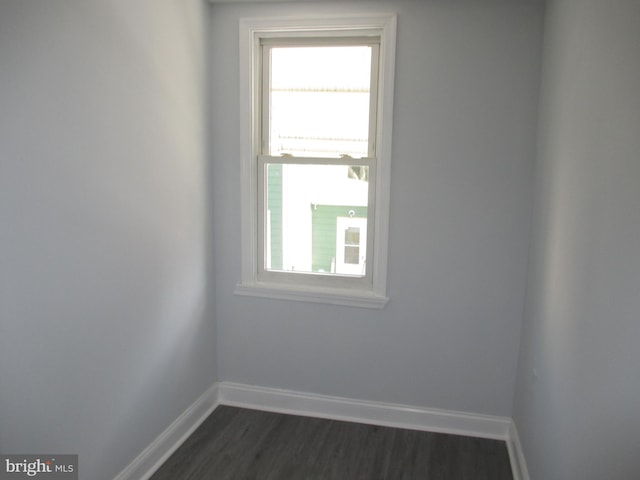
pixel 351 246
pixel 316 107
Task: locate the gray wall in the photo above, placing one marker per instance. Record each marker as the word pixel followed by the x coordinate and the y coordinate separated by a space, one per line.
pixel 464 136
pixel 106 334
pixel 577 405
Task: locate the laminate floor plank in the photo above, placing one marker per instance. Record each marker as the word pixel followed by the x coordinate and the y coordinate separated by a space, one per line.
pixel 242 444
pixel 411 455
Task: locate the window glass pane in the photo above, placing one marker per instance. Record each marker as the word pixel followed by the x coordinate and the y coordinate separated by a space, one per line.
pixel 351 255
pixel 319 101
pixel 352 236
pixel 315 219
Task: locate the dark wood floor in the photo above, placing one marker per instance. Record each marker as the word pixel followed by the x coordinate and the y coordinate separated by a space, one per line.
pixel 238 444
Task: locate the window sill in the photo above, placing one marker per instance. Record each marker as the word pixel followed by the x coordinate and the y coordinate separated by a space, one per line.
pixel 332 296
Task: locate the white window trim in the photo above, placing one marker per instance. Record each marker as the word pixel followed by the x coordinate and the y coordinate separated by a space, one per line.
pixel 251 30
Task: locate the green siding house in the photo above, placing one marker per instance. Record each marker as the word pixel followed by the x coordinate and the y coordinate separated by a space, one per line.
pixel 329 234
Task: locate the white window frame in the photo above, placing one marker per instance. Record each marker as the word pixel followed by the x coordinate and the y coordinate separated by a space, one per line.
pixel 371 291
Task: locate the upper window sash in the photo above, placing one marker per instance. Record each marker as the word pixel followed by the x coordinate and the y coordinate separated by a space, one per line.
pixel 264 67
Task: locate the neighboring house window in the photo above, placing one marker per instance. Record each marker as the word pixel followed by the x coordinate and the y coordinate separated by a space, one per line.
pixel 316 111
pixel 351 245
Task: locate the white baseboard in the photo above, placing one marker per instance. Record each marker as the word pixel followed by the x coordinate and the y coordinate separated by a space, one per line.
pixel 324 406
pixel 362 411
pixel 150 459
pixel 516 454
